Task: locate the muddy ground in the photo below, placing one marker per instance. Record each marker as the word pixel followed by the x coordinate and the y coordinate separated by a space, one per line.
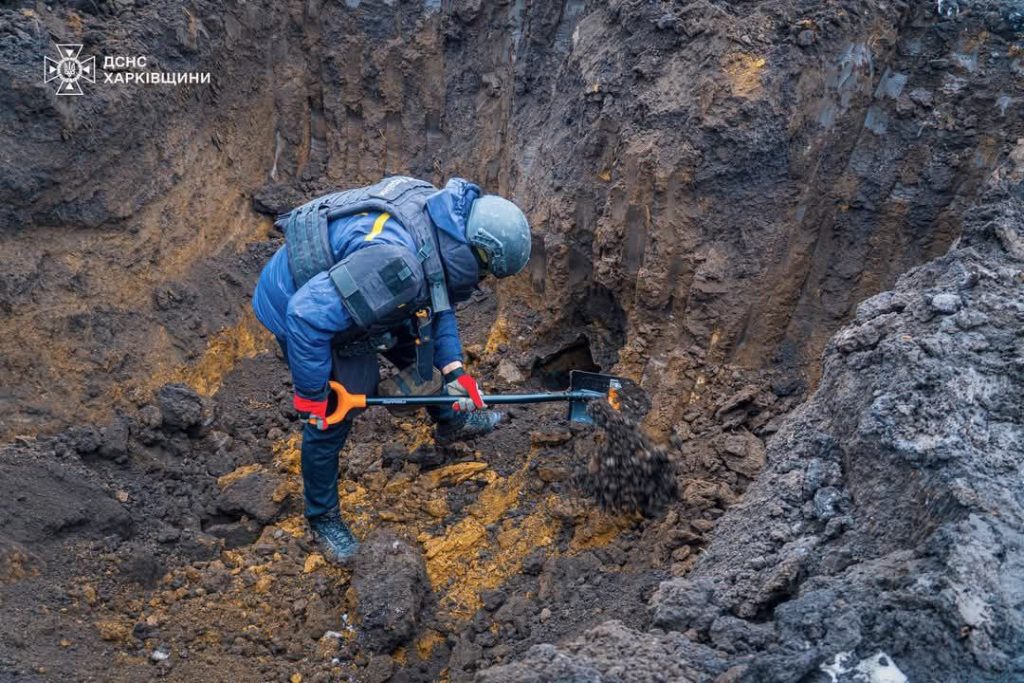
pixel 714 187
pixel 178 532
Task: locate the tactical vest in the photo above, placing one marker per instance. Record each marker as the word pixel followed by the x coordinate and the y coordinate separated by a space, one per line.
pixel 309 246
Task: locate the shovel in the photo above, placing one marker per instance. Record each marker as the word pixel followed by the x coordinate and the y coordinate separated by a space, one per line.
pixel 583 387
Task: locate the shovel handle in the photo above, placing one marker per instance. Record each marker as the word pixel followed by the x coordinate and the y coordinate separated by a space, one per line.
pixel 346 402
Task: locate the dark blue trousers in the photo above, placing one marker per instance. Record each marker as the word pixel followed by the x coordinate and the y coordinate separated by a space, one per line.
pixel 320 449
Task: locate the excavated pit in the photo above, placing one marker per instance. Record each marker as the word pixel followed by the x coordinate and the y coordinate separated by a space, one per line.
pixel 714 188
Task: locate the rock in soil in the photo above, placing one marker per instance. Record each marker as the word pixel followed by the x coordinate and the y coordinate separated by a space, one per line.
pixel 253 495
pixel 235 534
pixel 391 589
pixel 182 408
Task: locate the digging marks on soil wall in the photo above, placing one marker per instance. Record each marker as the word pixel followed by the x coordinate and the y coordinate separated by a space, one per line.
pixel 117 213
pixel 707 185
pixel 736 189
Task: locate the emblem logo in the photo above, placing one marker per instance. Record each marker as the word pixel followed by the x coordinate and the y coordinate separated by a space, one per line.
pixel 68 70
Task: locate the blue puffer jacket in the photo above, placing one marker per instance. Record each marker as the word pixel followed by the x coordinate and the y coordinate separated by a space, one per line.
pixel 308 319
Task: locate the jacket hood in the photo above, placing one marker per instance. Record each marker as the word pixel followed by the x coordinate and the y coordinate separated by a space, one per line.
pixel 449 208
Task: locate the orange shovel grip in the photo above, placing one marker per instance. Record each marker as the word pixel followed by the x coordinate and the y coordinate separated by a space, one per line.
pixel 345 402
pixel 613 399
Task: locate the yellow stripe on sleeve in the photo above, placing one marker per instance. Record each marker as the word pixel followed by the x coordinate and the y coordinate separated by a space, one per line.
pixel 378 225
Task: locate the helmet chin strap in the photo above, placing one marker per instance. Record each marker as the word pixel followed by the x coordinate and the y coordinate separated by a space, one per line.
pixel 482 260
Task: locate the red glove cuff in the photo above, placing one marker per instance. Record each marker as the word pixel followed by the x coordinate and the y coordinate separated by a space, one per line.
pixel 311 406
pixel 469 384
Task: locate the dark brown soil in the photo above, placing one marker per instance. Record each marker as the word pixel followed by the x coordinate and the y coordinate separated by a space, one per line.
pixel 626 473
pixel 713 188
pixel 180 534
pixel 852 556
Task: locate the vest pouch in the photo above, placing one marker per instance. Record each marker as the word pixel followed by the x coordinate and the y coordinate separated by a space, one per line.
pixel 378 285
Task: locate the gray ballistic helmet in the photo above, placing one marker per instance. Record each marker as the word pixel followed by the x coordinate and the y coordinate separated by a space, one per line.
pixel 499 229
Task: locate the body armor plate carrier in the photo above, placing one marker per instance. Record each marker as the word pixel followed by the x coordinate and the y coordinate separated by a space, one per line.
pixel 309 246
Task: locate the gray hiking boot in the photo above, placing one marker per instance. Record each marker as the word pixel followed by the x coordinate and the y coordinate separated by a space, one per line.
pixel 464 427
pixel 336 542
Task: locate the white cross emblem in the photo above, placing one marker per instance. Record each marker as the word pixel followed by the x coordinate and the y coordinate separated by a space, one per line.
pixel 69 69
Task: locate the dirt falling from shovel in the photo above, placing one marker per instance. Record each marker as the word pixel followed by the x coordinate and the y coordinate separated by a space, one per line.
pixel 625 471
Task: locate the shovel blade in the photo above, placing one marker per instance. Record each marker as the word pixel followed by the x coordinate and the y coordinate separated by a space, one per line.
pixel 605 385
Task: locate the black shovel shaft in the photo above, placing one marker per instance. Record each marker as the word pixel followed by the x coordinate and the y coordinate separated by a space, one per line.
pixel 495 399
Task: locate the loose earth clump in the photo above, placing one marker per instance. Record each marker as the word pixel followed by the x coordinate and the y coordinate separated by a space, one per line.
pixel 391 589
pixel 626 472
